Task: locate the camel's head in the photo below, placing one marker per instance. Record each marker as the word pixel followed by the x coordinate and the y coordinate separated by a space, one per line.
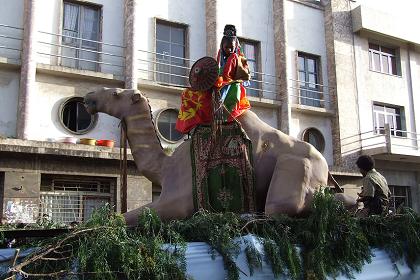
pixel 113 101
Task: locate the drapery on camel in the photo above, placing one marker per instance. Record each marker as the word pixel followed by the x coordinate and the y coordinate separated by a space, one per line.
pixel 287 171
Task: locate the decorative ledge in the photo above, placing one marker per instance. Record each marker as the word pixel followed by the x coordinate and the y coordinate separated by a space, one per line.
pixel 60 149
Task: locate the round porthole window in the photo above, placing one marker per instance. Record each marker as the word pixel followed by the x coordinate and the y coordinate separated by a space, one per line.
pixel 166 121
pixel 75 118
pixel 314 137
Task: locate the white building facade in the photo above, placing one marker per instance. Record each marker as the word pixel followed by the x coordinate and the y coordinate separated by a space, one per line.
pixel 342 75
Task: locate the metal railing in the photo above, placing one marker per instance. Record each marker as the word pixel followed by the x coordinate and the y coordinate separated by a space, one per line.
pixel 387 138
pixel 310 94
pixel 11 42
pixel 170 70
pixel 80 53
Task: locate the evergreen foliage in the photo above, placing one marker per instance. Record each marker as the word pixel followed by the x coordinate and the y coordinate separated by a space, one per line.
pixel 331 242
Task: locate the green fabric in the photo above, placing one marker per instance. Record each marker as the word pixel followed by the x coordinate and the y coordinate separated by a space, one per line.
pixel 233 96
pixel 223 178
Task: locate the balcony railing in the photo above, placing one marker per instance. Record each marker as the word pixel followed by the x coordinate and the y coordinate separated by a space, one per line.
pixel 309 94
pixel 80 53
pixel 384 140
pixel 169 70
pixel 11 42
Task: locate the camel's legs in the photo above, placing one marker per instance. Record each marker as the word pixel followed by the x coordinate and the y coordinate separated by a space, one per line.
pixel 289 191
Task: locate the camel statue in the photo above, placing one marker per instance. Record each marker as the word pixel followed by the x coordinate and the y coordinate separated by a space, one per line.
pixel 287 171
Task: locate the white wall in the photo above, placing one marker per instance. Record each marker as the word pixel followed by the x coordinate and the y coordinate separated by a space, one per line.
pixel 300 122
pixel 253 20
pixel 51 93
pixel 9 90
pixel 305 33
pixel 380 87
pixel 187 12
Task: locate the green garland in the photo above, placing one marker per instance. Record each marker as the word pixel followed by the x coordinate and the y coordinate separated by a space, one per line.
pixel 331 242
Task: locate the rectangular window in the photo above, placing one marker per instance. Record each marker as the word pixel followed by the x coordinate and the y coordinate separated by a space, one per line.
pixel 251 51
pixel 308 75
pixel 66 199
pixel 400 196
pixel 382 59
pixel 80 36
pixel 171 62
pixel 388 115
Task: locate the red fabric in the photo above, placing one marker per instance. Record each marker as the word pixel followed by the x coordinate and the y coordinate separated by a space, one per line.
pixel 195 109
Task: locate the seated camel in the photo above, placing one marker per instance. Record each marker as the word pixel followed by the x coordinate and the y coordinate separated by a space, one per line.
pixel 287 171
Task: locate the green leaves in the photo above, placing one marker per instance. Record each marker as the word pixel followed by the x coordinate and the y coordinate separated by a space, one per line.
pixel 331 242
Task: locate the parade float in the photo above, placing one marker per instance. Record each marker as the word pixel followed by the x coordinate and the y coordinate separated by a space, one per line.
pixel 240 200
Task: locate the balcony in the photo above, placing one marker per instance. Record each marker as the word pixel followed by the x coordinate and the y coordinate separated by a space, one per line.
pixel 172 71
pixel 10 44
pixel 395 25
pixel 392 144
pixel 80 54
pixel 309 97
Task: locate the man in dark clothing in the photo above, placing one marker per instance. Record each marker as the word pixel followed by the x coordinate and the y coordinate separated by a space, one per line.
pixel 375 192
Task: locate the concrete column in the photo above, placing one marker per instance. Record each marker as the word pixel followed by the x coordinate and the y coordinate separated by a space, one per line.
pixel 211 28
pixel 131 40
pixel 341 78
pixel 27 89
pixel 280 54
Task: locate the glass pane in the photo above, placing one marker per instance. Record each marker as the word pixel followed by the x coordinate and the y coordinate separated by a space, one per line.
pixel 312 80
pixel 391 110
pixel 252 68
pixel 177 51
pixel 162 48
pixel 385 64
pixel 394 65
pixel 376 62
pixel 381 121
pixel 71 17
pixel 302 77
pixel 177 35
pixel 90 24
pixel 378 108
pixel 249 51
pixel 387 50
pixel 84 119
pixel 301 63
pixel 311 65
pixel 162 32
pixel 373 47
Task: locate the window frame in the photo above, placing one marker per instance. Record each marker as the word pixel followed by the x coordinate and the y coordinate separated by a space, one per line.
pixel 382 54
pixel 315 92
pixel 92 125
pixel 77 57
pixel 398 131
pixel 187 60
pixel 318 134
pixel 407 197
pixel 47 189
pixel 161 136
pixel 258 67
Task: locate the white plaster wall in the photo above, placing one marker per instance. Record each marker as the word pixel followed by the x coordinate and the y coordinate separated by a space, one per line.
pixel 253 20
pixel 382 88
pixel 11 14
pixel 300 122
pixel 188 12
pixel 50 20
pixel 268 115
pixel 51 93
pixel 9 90
pixel 305 33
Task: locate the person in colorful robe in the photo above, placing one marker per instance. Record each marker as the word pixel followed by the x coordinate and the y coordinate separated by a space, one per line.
pixel 196 106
